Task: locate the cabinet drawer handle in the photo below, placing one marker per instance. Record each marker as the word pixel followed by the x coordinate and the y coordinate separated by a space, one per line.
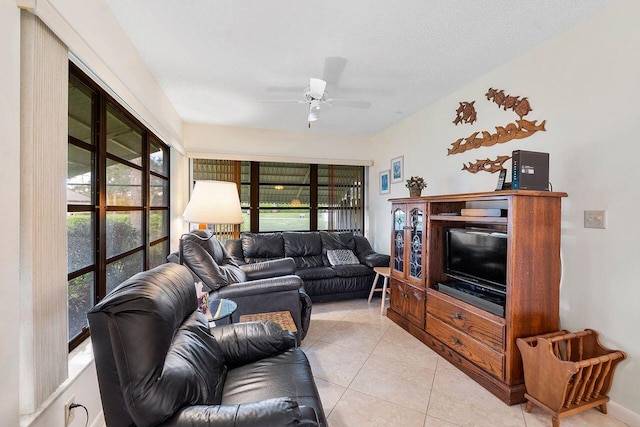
pixel 456 341
pixel 458 316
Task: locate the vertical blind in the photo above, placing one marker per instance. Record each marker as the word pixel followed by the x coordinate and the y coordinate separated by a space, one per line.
pixel 345 197
pixel 43 228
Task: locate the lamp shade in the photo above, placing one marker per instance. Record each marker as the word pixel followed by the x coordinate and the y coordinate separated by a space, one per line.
pixel 214 202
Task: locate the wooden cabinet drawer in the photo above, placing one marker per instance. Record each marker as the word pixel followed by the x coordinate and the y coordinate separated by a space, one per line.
pixel 477 325
pixel 474 351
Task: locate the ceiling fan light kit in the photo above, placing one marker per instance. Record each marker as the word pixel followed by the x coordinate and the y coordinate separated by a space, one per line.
pixel 315 95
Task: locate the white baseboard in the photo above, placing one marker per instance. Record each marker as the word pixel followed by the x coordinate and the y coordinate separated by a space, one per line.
pixel 99 421
pixel 623 414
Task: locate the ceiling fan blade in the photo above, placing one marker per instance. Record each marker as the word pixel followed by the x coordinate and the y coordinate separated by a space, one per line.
pixel 349 103
pixel 316 87
pixel 360 91
pixel 285 89
pixel 281 100
pixel 333 68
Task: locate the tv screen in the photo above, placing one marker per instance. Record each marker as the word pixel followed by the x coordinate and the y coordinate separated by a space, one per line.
pixel 477 255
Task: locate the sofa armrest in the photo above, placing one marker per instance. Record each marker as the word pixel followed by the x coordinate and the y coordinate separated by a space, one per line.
pixel 305 315
pixel 271 268
pixel 282 411
pixel 174 257
pixel 259 287
pixel 368 256
pixel 374 259
pixel 243 343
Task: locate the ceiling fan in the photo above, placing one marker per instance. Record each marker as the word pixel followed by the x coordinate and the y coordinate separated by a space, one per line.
pixel 315 95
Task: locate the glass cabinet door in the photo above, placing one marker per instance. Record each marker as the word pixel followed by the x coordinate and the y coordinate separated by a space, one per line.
pixel 399 223
pixel 415 234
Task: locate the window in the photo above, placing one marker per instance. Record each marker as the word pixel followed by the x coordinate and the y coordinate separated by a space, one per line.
pixel 284 196
pixel 117 199
pixel 292 196
pixel 340 198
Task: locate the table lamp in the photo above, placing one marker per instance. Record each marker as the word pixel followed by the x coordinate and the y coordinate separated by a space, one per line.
pixel 212 202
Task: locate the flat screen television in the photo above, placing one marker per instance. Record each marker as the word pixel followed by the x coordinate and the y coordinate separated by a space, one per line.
pixel 477 256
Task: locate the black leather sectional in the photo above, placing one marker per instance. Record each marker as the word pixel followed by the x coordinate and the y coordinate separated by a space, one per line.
pixel 322 280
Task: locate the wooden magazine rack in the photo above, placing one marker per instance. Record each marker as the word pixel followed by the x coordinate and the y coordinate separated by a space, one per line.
pixel 566 372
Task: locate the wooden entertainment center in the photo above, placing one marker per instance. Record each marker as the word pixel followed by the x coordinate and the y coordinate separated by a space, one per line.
pixel 480 343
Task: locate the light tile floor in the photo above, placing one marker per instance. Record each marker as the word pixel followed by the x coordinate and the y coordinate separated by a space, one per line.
pixel 370 372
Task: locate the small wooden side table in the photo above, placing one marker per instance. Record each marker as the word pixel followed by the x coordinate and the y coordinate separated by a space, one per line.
pixel 282 318
pixel 384 272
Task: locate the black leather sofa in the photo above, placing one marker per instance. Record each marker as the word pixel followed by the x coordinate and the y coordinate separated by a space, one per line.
pixel 159 364
pixel 323 280
pixel 256 288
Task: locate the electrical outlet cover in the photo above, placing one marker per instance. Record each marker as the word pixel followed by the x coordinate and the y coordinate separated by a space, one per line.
pixel 595 219
pixel 69 414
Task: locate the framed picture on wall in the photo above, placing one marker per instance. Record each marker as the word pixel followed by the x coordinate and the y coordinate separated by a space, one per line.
pixel 384 182
pixel 397 169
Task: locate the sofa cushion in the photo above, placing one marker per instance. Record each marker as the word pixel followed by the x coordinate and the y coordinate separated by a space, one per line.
pixel 312 273
pixel 351 270
pixel 336 241
pixel 262 246
pixel 342 257
pixel 273 377
pixel 304 247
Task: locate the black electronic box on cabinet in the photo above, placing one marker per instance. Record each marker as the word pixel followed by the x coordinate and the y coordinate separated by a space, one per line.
pixel 530 170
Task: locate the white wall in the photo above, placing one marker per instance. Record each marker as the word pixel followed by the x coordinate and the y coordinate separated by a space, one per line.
pixel 179 196
pixel 225 142
pixel 585 84
pixel 10 215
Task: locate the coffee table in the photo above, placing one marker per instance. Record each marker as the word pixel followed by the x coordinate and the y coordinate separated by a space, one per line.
pixel 282 318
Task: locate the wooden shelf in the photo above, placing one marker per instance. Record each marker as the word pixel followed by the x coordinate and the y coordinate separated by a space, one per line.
pixel 491 195
pixel 478 219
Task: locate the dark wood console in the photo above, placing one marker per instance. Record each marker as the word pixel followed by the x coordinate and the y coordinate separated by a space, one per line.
pixel 481 344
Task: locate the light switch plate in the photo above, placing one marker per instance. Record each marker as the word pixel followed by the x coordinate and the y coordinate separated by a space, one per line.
pixel 595 219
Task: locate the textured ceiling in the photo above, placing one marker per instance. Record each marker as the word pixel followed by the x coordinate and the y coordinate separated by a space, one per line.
pixel 218 61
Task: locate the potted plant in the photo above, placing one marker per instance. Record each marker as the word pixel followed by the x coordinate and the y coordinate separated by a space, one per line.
pixel 415 184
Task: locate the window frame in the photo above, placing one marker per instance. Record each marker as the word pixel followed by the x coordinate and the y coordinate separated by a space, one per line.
pixel 253 182
pixel 99 207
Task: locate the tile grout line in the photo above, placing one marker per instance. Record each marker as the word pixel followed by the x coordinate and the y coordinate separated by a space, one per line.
pixel 388 327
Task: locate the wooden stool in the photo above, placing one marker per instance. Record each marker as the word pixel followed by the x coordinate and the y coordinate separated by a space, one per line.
pixel 384 272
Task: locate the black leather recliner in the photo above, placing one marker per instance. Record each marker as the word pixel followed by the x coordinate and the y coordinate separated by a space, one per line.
pixel 159 364
pixel 257 288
